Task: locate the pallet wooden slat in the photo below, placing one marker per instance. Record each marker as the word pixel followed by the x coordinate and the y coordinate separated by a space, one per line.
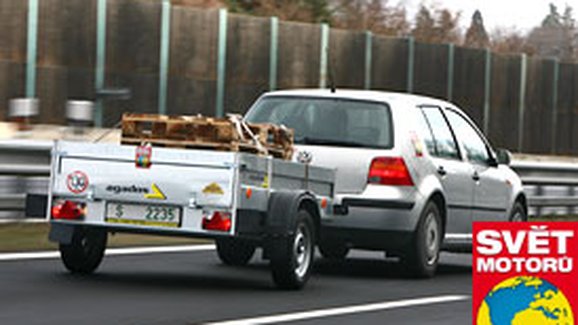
pixel 199 132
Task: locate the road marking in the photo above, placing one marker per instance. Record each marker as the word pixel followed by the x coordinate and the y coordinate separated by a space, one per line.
pixel 319 313
pixel 110 252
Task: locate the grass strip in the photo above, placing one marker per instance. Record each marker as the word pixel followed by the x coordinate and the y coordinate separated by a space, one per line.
pixel 22 237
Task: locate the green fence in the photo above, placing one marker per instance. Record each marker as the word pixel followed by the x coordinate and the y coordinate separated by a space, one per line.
pixel 179 60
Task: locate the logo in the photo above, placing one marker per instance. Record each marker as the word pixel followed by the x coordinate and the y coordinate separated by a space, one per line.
pixel 77 182
pixel 154 192
pixel 143 156
pixel 304 157
pixel 525 300
pixel 213 188
pixel 525 273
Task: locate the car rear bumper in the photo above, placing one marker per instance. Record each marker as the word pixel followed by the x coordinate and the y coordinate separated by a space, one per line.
pixel 375 215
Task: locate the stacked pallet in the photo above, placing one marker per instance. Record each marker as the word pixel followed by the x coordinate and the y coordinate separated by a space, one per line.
pixel 199 132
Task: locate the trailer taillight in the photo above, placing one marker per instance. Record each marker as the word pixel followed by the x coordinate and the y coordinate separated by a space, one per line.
pixel 68 210
pixel 389 171
pixel 217 221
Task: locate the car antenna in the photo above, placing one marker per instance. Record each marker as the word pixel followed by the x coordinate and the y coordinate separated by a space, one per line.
pixel 331 74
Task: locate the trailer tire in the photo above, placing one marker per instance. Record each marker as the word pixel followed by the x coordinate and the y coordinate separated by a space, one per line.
pixel 86 250
pixel 235 252
pixel 292 255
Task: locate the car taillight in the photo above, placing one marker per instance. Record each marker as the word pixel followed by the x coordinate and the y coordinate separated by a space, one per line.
pixel 218 221
pixel 389 171
pixel 68 210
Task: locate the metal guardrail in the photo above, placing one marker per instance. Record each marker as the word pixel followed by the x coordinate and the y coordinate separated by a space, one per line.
pixel 549 174
pixel 28 158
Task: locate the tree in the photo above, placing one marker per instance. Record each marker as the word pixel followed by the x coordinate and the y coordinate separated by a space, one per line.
pixel 476 35
pixel 198 3
pixel 374 15
pixel 557 35
pixel 510 41
pixel 313 11
pixel 441 26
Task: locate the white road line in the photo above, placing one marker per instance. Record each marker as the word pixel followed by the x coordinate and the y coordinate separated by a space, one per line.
pixel 110 252
pixel 319 313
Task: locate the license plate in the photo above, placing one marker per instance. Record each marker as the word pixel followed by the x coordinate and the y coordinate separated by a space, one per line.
pixel 143 215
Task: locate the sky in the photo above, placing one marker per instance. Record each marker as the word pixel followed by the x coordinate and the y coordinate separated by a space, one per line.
pixel 519 14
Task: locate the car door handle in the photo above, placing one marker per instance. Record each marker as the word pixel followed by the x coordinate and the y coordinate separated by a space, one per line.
pixel 442 171
pixel 476 176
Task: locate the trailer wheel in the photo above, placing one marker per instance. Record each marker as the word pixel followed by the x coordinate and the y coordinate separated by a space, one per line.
pixel 84 254
pixel 235 252
pixel 292 256
pixel 422 256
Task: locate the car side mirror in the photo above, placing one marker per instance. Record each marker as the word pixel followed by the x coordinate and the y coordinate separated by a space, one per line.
pixel 503 157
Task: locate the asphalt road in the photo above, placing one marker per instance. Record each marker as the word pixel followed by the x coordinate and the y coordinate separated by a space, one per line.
pixel 193 288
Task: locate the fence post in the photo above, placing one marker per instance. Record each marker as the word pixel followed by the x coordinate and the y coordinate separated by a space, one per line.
pixel 164 55
pixel 368 58
pixel 487 90
pixel 324 56
pixel 273 53
pixel 221 63
pixel 522 107
pixel 100 59
pixel 450 85
pixel 31 48
pixel 555 104
pixel 410 63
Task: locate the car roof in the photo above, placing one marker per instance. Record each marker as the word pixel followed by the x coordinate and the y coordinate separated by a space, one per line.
pixel 392 98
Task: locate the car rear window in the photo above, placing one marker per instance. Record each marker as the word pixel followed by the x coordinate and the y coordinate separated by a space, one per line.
pixel 328 121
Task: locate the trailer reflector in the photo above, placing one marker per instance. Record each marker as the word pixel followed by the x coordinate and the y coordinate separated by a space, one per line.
pixel 218 221
pixel 68 210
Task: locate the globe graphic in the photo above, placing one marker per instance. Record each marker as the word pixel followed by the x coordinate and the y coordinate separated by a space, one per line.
pixel 525 300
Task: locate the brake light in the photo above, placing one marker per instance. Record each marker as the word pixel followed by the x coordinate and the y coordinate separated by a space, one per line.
pixel 218 221
pixel 389 171
pixel 68 210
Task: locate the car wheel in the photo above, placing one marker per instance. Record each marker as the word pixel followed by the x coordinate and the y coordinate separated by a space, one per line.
pixel 518 213
pixel 333 250
pixel 422 256
pixel 235 252
pixel 86 250
pixel 292 256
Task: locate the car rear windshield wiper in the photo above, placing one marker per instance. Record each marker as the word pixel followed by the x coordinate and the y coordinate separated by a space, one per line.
pixel 330 142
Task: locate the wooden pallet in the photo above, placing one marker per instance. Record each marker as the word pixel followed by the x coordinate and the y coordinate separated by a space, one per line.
pixel 200 132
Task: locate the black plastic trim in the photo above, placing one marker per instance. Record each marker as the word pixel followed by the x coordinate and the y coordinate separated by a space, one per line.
pixel 375 203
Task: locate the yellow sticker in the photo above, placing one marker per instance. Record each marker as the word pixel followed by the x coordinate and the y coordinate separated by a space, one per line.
pixel 265 182
pixel 156 194
pixel 213 188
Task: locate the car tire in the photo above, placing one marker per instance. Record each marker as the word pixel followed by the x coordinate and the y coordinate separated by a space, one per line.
pixel 518 213
pixel 235 252
pixel 422 256
pixel 85 252
pixel 291 257
pixel 333 250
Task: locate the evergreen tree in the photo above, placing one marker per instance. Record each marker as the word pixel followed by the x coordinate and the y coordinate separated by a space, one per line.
pixel 476 35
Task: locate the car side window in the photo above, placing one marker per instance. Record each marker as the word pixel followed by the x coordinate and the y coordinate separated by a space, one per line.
pixel 474 146
pixel 444 143
pixel 424 130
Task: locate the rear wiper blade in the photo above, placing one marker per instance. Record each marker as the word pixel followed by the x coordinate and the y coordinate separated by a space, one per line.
pixel 330 142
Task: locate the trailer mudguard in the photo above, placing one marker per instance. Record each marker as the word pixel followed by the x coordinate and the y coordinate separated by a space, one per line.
pixel 61 233
pixel 283 208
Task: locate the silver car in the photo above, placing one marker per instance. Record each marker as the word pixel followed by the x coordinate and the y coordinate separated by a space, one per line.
pixel 413 172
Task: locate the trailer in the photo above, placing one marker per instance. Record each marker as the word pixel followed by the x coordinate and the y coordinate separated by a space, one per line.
pixel 243 201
